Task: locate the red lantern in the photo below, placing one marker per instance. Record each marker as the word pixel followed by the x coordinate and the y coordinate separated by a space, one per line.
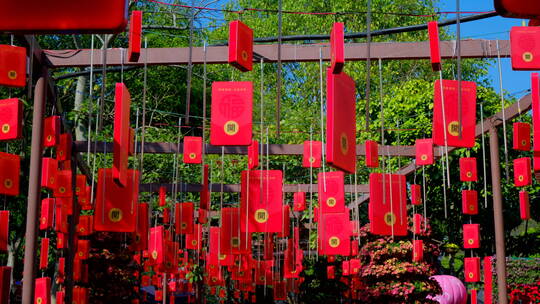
pixel 387 206
pixel 11 117
pixel 416 195
pixel 524 47
pixel 122 102
pixel 522 172
pixel 192 149
pixel 42 293
pixel 63 149
pixel 471 236
pixel 341 121
pixel 418 251
pixel 253 155
pixel 48 172
pixel 334 234
pixel 524 208
pixel 434 51
pixel 231 120
pixel 469 202
pixel 337 47
pixel 467 169
pixel 51 131
pixel 240 46
pixel 135 32
pixel 5 283
pixel 523 9
pixel 471 268
pixel 331 192
pixel 372 154
pixel 312 155
pixel 522 136
pixel 260 206
pixel 116 207
pixel 10 168
pixel 46 219
pixel 299 201
pixel 468 114
pixel 424 151
pixel 12 63
pixel 184 218
pixel 4 230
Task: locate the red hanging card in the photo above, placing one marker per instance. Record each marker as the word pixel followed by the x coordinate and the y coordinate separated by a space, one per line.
pixel 11 117
pixel 525 47
pixel 46 218
pixel 63 149
pixel 387 206
pixel 341 121
pixel 80 185
pixel 10 168
pixel 260 205
pixel 5 283
pixel 12 64
pixel 467 169
pixel 122 102
pixel 522 136
pixel 474 296
pixel 286 226
pixel 84 227
pixel 192 149
pixel 334 234
pixel 240 46
pixel 155 245
pixel 280 291
pixel 60 240
pixel 471 267
pixel 372 154
pixel 418 251
pixel 469 202
pixel 232 240
pixel 83 249
pixel 80 295
pixel 184 218
pixel 263 272
pixel 44 254
pixel 268 246
pixel 116 207
pixel 140 236
pixel 42 293
pixel 162 196
pixel 312 154
pixel 488 281
pixel 417 223
pixel 231 113
pixel 60 224
pixel 535 95
pixel 330 272
pixel 524 207
pixel 63 184
pixel 135 32
pixel 253 155
pixel 345 268
pixel 337 47
pixel 51 131
pixel 424 151
pixel 60 297
pixel 354 266
pixel 205 191
pixel 471 236
pixel 434 48
pixel 522 172
pixel 523 9
pixel 333 199
pixel 468 114
pixel 49 168
pixel 299 201
pixel 354 248
pixel 193 240
pixel 416 195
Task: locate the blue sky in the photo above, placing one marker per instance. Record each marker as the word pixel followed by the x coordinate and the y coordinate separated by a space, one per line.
pixel 492 28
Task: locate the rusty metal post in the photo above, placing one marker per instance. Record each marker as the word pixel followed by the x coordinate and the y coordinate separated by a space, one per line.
pixel 34 193
pixel 500 248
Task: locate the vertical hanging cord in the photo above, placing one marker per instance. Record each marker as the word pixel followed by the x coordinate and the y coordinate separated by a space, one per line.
pixel 368 62
pixel 279 66
pixel 143 123
pixel 458 50
pixel 204 115
pixel 445 131
pixel 104 82
pixel 424 193
pixel 383 164
pixel 176 162
pixel 484 153
pixel 310 188
pixel 503 111
pixel 190 62
pixel 322 117
pixel 90 99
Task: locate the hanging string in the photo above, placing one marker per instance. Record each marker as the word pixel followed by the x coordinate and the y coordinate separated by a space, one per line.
pixel 143 123
pixel 103 82
pixel 484 152
pixel 458 50
pixel 190 64
pixel 122 65
pixel 503 112
pixel 445 131
pixel 322 117
pixel 279 67
pixel 383 163
pixel 368 62
pixel 444 191
pixel 310 188
pixel 176 164
pixel 203 154
pixel 90 99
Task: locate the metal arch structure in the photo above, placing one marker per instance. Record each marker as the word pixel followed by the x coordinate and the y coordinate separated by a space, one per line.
pixel 47 60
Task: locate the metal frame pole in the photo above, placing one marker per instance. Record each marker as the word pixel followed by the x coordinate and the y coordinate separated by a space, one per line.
pixel 500 249
pixel 34 193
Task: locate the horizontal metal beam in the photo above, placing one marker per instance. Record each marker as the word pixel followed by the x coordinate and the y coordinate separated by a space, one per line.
pixel 231 188
pixel 274 149
pixel 473 48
